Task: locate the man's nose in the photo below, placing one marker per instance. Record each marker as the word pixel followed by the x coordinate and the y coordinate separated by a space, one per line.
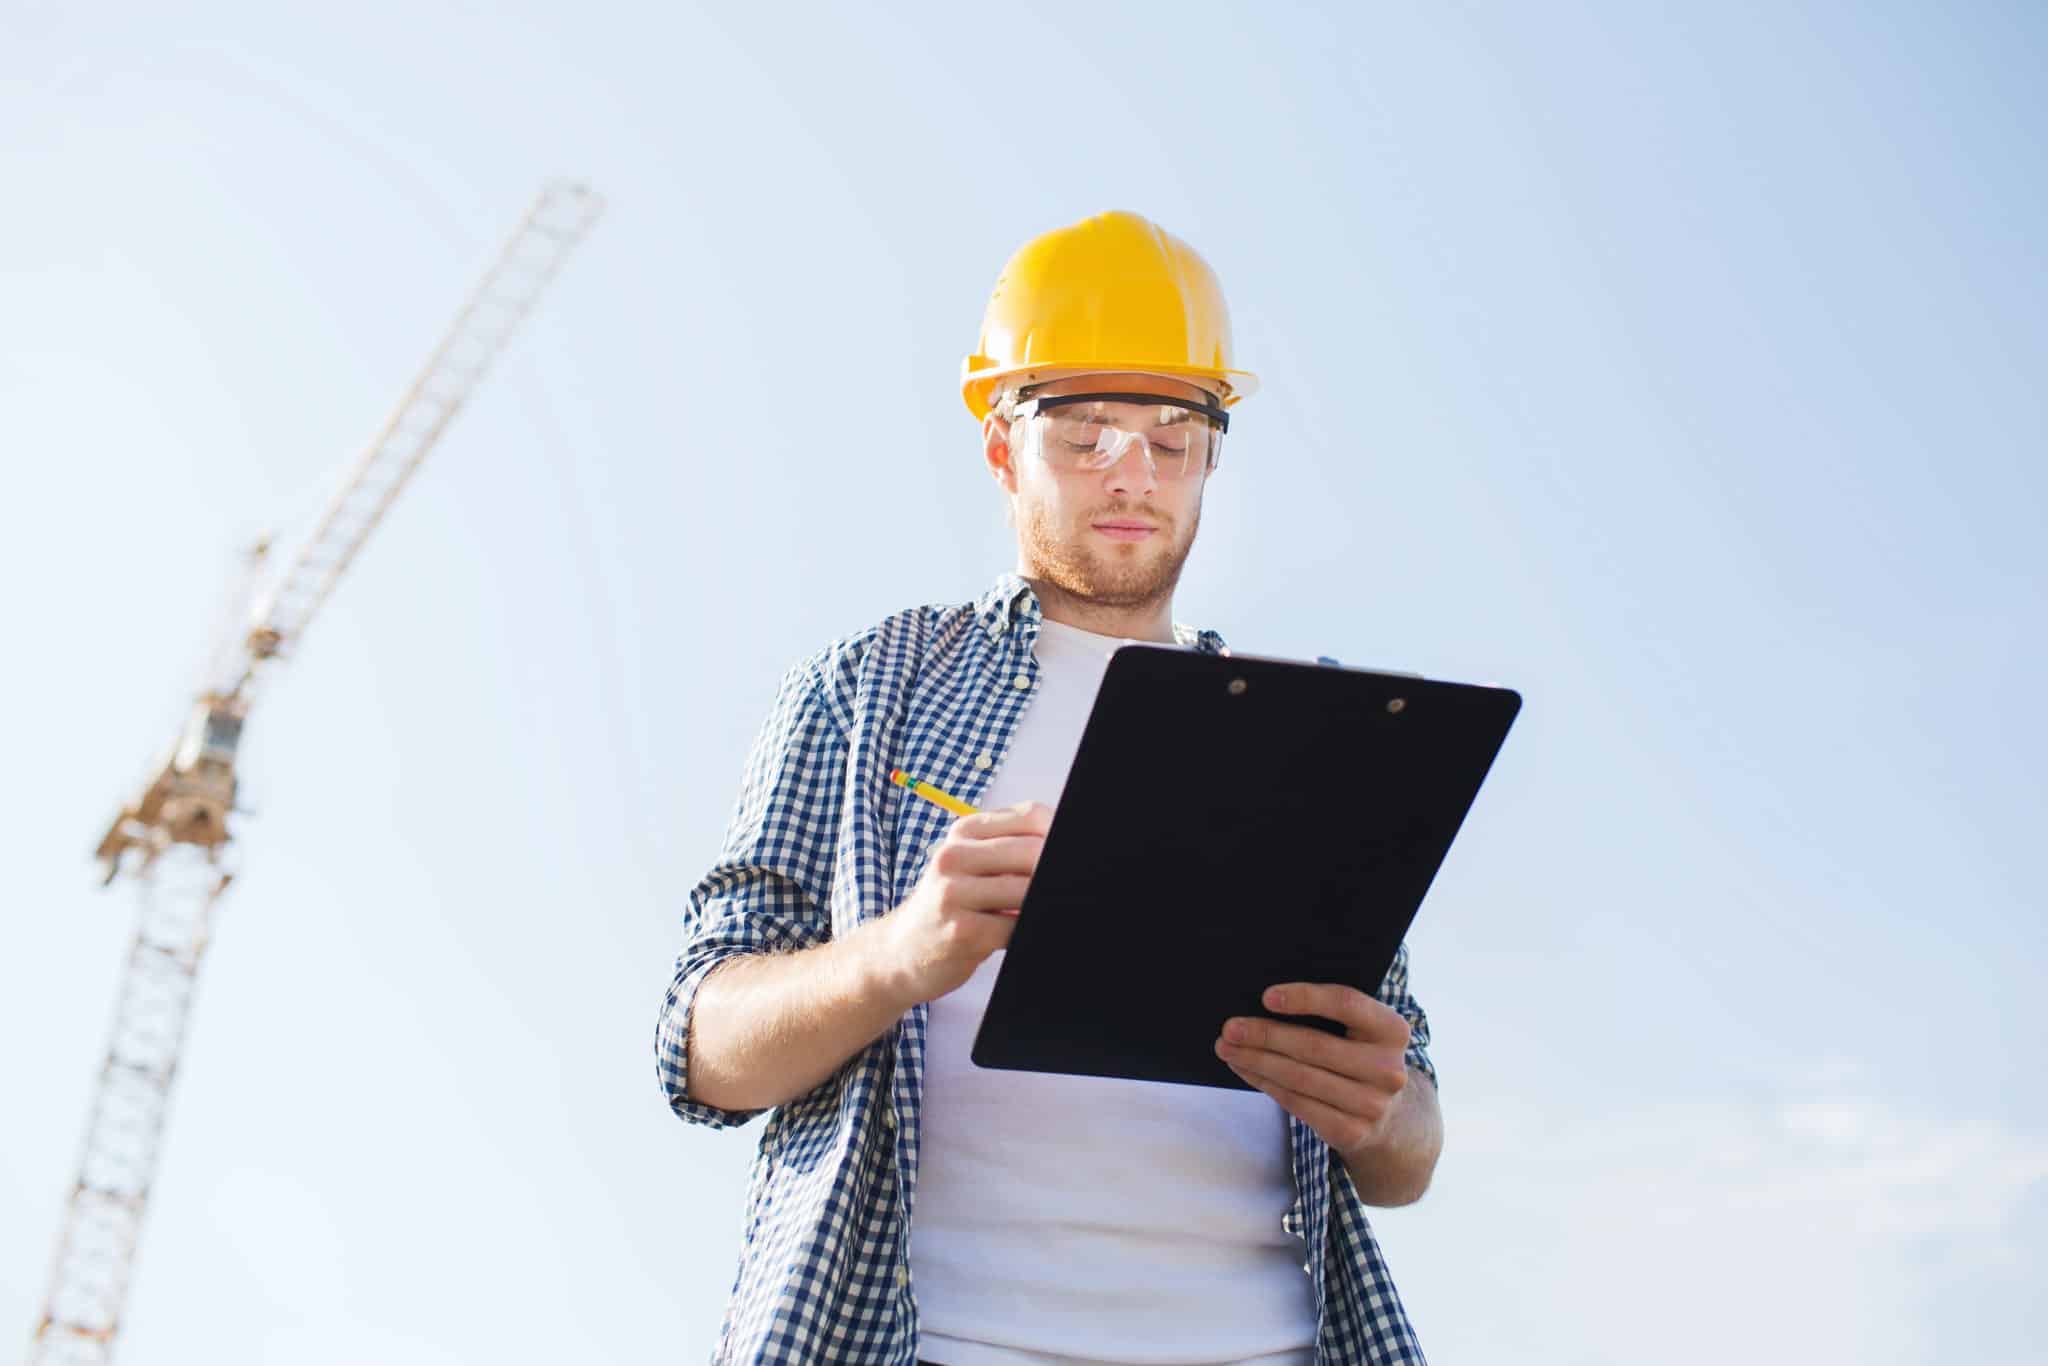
pixel 1127 475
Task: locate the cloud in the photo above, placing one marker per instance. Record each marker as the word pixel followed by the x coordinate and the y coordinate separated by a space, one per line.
pixel 1883 1171
pixel 1855 1160
pixel 1831 1225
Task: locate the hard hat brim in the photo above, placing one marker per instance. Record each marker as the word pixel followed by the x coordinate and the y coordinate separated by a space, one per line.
pixel 979 376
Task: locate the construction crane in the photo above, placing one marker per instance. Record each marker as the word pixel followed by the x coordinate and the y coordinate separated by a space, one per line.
pixel 174 840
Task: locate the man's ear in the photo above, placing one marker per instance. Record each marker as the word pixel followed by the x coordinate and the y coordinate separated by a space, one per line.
pixel 995 449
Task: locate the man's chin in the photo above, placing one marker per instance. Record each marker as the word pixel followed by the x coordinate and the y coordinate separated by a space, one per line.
pixel 1127 585
pixel 1123 576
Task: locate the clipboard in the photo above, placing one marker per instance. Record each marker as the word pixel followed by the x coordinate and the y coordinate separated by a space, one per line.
pixel 1230 822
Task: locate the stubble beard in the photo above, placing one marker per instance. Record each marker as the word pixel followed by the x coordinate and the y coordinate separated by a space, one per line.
pixel 1109 578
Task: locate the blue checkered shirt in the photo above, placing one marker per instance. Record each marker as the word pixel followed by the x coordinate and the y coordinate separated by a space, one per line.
pixel 820 842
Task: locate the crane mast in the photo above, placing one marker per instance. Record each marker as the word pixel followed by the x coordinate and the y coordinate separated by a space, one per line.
pixel 172 840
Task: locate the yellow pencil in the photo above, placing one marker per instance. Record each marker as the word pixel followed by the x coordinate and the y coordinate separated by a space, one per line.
pixel 931 794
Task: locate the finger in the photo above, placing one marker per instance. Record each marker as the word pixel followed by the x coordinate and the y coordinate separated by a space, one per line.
pixel 1037 816
pixel 1374 1063
pixel 984 893
pixel 1366 1017
pixel 987 933
pixel 982 857
pixel 1346 1094
pixel 1025 818
pixel 1342 1132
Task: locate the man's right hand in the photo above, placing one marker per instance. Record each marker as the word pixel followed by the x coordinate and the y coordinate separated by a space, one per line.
pixel 965 903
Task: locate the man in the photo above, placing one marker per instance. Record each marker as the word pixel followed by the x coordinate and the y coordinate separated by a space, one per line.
pixel 906 1205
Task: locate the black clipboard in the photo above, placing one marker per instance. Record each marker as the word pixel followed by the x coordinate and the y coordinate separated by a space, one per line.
pixel 1230 822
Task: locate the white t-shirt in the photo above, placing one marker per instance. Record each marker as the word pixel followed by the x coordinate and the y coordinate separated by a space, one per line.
pixel 1091 1219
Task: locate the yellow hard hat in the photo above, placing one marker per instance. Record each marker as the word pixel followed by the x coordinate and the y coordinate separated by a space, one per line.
pixel 1111 293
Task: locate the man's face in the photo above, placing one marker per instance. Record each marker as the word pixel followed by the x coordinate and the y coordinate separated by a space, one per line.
pixel 1117 536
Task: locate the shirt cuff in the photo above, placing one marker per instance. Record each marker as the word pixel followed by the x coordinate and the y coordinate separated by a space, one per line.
pixel 672 1041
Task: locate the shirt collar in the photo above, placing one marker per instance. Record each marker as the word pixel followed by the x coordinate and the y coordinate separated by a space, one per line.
pixel 1010 605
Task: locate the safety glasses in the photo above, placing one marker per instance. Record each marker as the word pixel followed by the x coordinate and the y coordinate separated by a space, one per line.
pixel 1177 438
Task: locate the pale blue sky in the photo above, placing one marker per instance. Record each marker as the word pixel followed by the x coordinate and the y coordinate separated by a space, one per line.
pixel 1680 370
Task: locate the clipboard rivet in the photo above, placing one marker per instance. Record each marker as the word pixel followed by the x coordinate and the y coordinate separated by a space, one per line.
pixel 1395 704
pixel 1237 687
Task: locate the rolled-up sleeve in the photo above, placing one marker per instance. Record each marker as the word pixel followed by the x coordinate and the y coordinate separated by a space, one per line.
pixel 769 890
pixel 1394 992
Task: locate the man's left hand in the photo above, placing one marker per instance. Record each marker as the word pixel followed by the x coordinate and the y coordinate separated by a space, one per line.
pixel 1345 1088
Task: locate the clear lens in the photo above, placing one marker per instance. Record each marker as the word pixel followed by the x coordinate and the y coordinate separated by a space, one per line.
pixel 1176 442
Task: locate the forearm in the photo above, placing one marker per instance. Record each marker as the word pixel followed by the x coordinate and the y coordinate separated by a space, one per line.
pixel 1396 1170
pixel 769 1027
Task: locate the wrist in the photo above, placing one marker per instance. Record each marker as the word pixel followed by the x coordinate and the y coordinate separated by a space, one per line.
pixel 879 972
pixel 1394 1165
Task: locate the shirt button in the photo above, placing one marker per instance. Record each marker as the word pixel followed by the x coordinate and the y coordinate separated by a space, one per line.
pixel 983 761
pixel 902 1274
pixel 1022 681
pixel 889 1117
